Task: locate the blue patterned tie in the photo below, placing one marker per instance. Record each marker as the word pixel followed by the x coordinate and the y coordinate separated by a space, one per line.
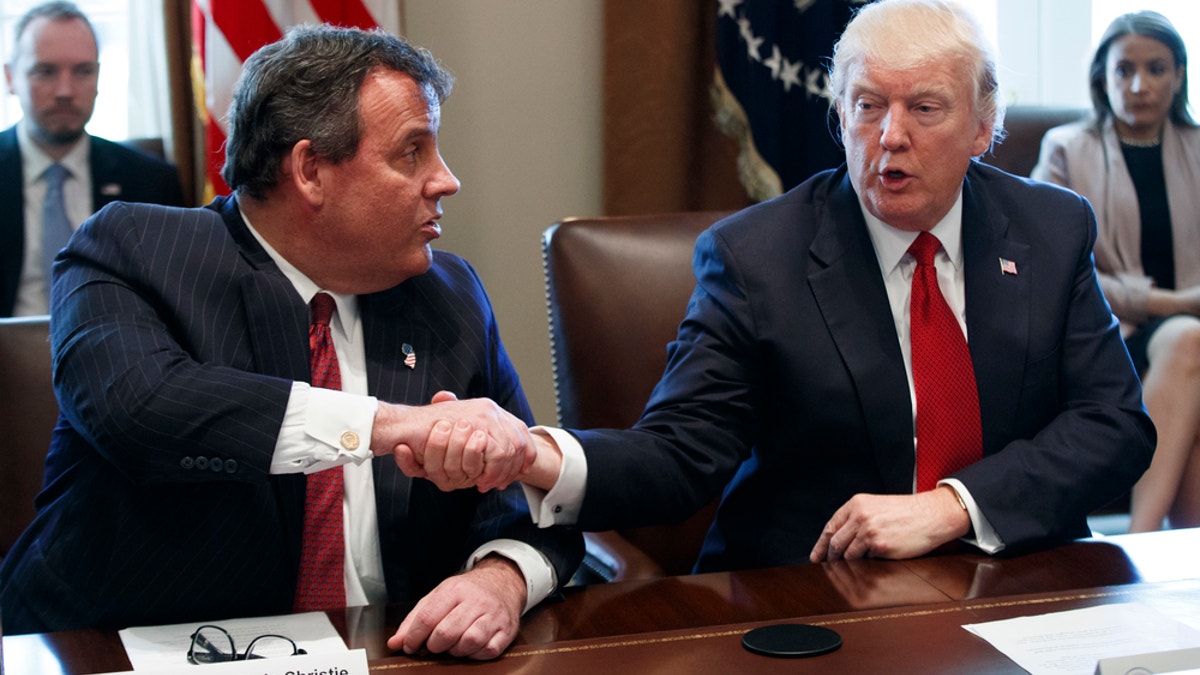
pixel 56 227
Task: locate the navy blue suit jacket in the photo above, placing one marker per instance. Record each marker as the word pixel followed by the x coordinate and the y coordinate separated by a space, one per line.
pixel 175 341
pixel 787 383
pixel 118 173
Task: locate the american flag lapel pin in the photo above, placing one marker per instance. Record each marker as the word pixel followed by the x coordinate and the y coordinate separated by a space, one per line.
pixel 410 357
pixel 1008 267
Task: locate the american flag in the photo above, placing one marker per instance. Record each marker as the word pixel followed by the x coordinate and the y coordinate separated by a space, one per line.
pixel 771 89
pixel 1008 266
pixel 226 32
pixel 410 356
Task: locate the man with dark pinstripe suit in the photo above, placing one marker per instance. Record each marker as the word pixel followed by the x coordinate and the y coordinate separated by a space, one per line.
pixel 175 482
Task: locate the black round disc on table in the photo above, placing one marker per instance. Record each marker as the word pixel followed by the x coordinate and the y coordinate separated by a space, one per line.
pixel 791 640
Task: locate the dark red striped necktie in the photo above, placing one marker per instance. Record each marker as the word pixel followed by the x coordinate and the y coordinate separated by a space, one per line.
pixel 321 583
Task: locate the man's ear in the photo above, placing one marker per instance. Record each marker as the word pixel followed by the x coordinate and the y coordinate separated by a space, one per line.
pixel 301 167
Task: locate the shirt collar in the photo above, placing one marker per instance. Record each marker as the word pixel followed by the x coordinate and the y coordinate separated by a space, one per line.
pixel 34 160
pixel 891 244
pixel 347 305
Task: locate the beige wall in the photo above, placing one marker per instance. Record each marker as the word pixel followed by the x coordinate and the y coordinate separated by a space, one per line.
pixel 522 132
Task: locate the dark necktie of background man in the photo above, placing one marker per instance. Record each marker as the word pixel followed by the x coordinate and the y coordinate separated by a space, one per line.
pixel 56 227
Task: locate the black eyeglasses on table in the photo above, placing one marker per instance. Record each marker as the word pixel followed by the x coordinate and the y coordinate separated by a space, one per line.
pixel 213 644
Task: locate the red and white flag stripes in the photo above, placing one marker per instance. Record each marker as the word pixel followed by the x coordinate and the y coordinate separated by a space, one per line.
pixel 226 32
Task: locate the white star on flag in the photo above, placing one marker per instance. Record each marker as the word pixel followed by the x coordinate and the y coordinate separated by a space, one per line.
pixel 790 74
pixel 752 42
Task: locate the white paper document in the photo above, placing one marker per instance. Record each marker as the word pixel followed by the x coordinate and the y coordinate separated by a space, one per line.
pixel 159 647
pixel 1070 643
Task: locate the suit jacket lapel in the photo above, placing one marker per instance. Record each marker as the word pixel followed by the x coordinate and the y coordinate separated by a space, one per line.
pixel 388 327
pixel 385 333
pixel 853 300
pixel 277 316
pixel 104 167
pixel 998 306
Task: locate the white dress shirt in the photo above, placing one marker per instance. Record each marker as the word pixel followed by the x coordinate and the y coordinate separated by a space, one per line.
pixel 309 441
pixel 77 194
pixel 560 506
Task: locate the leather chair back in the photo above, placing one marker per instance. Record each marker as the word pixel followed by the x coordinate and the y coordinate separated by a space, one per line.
pixel 617 289
pixel 151 146
pixel 28 413
pixel 1026 125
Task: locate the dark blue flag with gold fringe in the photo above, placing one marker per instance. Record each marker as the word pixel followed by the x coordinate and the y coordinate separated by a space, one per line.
pixel 771 88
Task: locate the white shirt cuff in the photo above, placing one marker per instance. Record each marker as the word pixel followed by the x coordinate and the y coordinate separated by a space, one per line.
pixel 985 537
pixel 540 577
pixel 560 506
pixel 323 428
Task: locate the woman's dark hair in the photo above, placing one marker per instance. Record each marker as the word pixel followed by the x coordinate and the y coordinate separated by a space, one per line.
pixel 1152 25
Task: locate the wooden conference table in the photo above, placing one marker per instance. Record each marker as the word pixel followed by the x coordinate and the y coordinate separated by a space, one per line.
pixel 893 616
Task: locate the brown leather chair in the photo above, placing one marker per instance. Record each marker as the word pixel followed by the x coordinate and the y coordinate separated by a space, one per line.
pixel 1026 125
pixel 617 289
pixel 28 412
pixel 151 146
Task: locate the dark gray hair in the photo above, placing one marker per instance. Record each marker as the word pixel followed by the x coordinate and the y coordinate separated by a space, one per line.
pixel 911 33
pixel 306 86
pixel 55 11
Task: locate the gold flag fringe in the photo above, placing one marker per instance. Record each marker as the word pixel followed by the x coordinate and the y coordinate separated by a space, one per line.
pixel 758 178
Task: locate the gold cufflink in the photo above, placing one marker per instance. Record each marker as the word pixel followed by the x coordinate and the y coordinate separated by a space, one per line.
pixel 349 440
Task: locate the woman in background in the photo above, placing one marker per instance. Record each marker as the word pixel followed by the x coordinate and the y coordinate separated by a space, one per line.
pixel 1137 160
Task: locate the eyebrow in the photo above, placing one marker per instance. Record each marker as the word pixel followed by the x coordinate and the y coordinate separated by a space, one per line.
pixel 1156 61
pixel 418 133
pixel 921 91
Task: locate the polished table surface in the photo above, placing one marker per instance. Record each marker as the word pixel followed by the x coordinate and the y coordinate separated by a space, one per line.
pixel 893 616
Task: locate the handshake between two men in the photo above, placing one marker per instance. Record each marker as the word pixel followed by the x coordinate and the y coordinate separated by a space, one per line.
pixel 456 444
pixel 476 443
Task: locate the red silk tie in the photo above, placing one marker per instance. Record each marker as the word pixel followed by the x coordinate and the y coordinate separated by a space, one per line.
pixel 321 584
pixel 949 436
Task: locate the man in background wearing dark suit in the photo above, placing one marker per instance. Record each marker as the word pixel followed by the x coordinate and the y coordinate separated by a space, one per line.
pixel 803 386
pixel 192 449
pixel 54 71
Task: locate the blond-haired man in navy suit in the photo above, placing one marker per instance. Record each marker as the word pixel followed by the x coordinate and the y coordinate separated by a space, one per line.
pixel 791 390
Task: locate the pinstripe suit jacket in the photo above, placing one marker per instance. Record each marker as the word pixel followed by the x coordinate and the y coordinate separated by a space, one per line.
pixel 118 172
pixel 175 342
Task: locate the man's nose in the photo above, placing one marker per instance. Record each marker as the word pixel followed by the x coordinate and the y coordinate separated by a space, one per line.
pixel 65 85
pixel 444 182
pixel 894 129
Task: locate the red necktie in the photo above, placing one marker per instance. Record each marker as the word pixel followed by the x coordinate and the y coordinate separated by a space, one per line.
pixel 949 436
pixel 322 559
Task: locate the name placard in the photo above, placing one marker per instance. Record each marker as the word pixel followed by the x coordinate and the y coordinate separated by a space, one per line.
pixel 351 662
